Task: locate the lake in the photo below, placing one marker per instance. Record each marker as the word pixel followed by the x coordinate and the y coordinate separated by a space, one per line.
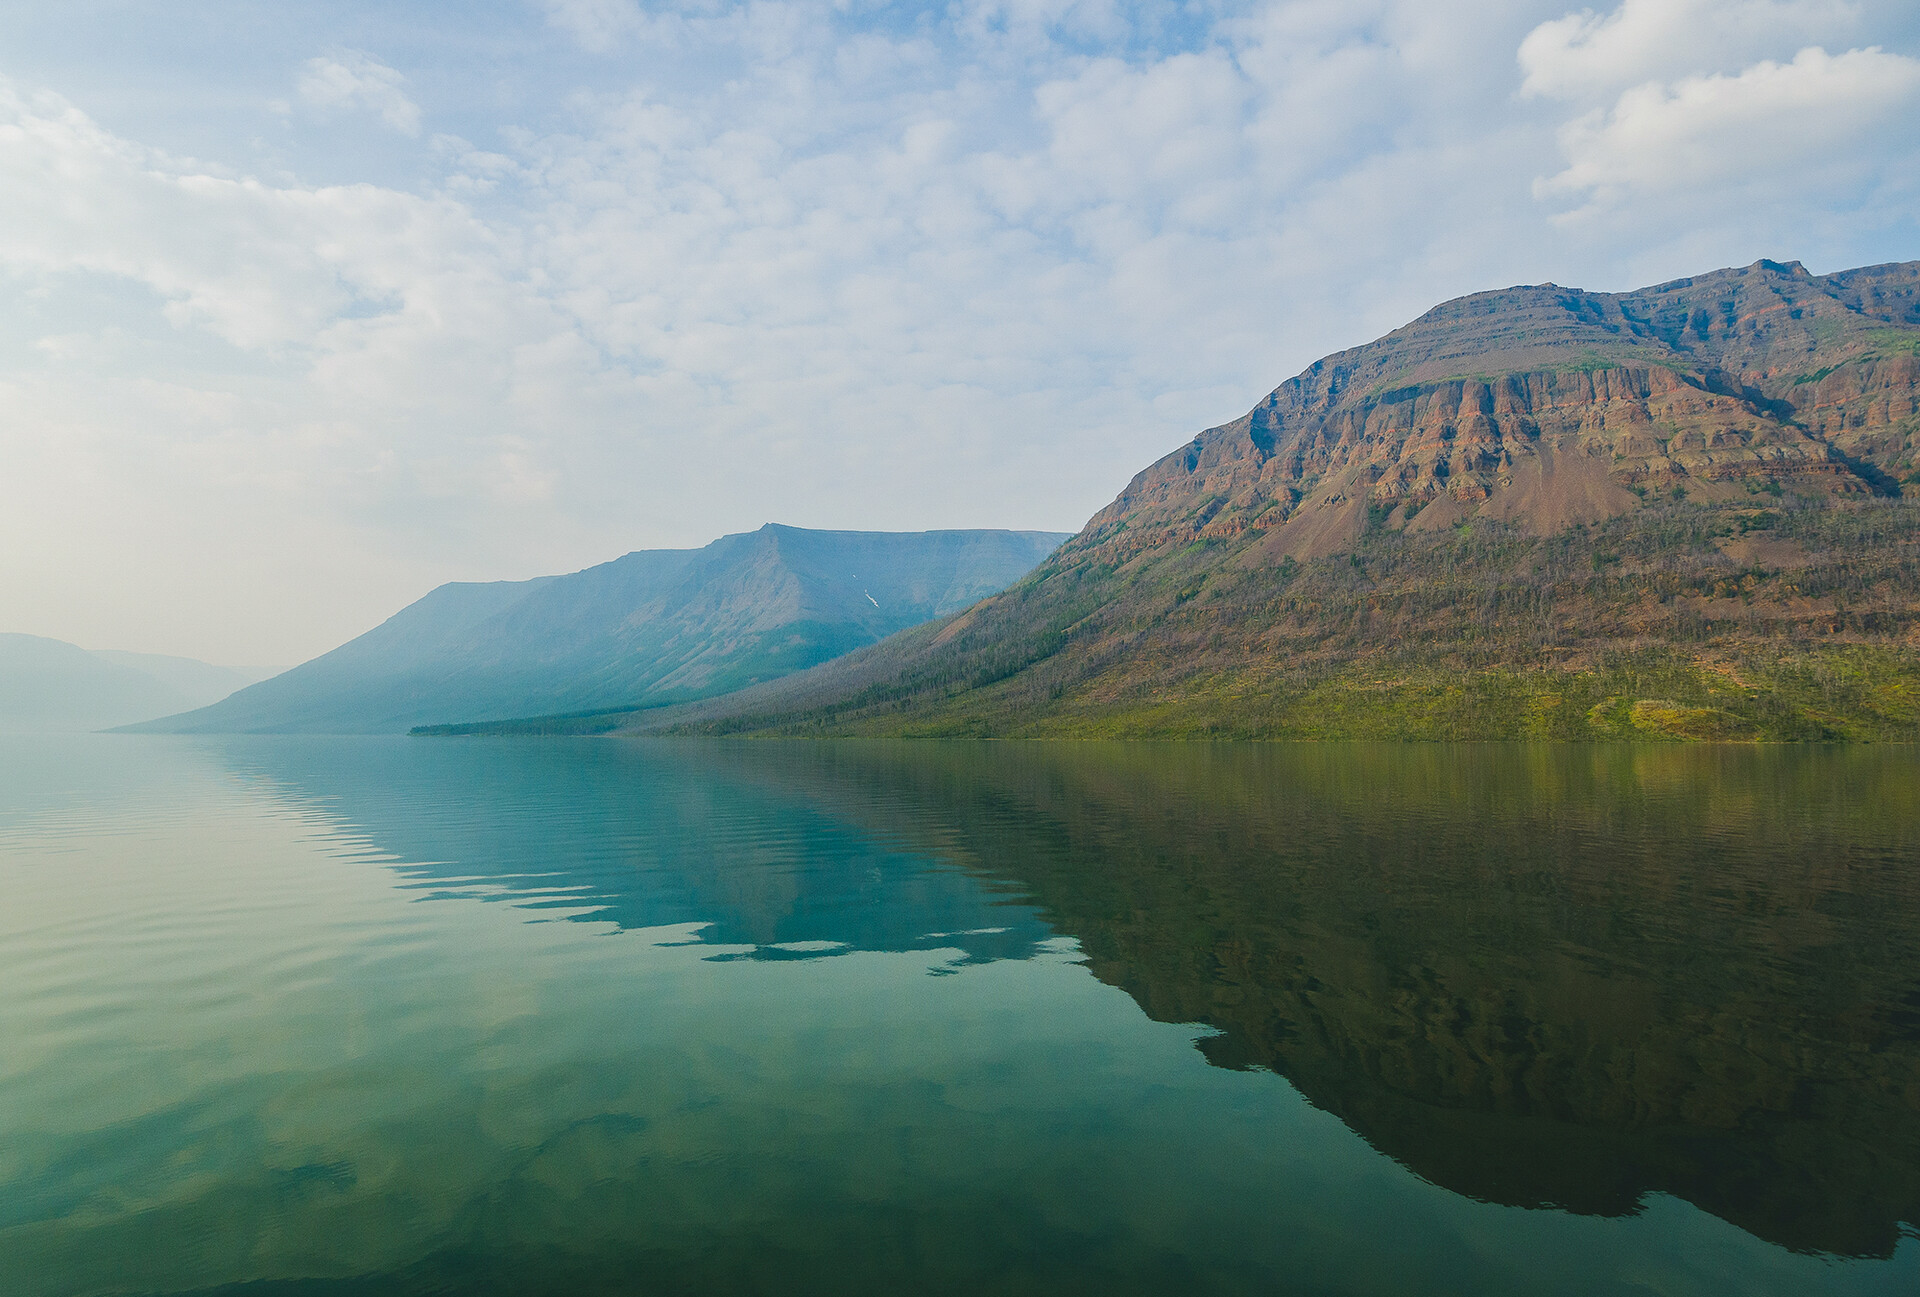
pixel 379 1016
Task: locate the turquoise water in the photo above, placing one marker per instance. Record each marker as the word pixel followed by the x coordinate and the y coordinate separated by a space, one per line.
pixel 368 1016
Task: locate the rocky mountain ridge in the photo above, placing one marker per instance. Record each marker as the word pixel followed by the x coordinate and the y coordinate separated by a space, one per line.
pixel 1549 406
pixel 1684 512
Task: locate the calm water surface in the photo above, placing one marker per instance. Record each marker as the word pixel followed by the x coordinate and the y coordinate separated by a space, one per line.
pixel 372 1016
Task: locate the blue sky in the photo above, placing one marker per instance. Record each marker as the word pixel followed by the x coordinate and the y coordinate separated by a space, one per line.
pixel 309 308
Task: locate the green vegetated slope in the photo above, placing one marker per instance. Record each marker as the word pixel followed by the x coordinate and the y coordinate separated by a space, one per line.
pixel 653 627
pixel 1686 512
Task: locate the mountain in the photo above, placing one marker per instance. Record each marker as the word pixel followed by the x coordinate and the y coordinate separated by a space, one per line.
pixel 200 682
pixel 1549 406
pixel 50 685
pixel 1687 511
pixel 654 627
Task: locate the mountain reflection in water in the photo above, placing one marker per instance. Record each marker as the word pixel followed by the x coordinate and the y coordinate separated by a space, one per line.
pixel 1537 976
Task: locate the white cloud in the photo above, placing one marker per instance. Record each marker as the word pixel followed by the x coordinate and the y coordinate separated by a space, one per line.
pixel 791 262
pixel 606 26
pixel 1787 127
pixel 82 199
pixel 260 266
pixel 350 80
pixel 596 24
pixel 1584 54
pixel 315 377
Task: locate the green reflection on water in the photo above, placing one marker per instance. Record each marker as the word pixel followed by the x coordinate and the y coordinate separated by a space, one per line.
pixel 260 1029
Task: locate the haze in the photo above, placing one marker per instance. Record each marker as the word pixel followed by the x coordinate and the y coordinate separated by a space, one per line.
pixel 309 309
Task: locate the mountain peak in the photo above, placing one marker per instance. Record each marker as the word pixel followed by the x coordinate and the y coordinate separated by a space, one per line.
pixel 1544 406
pixel 1677 512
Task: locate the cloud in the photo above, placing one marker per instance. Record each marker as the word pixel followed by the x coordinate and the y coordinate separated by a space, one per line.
pixel 596 24
pixel 350 81
pixel 1783 127
pixel 85 200
pixel 276 378
pixel 825 263
pixel 259 266
pixel 599 26
pixel 1586 54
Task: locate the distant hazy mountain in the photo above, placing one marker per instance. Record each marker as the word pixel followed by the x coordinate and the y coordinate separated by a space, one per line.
pixel 202 682
pixel 50 685
pixel 656 626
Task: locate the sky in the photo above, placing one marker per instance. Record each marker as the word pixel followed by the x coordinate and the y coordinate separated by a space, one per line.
pixel 305 309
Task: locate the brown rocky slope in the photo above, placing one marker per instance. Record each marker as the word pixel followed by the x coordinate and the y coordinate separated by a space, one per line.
pixel 1548 406
pixel 1688 511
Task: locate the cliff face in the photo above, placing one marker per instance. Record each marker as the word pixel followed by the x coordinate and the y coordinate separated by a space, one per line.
pixel 1548 406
